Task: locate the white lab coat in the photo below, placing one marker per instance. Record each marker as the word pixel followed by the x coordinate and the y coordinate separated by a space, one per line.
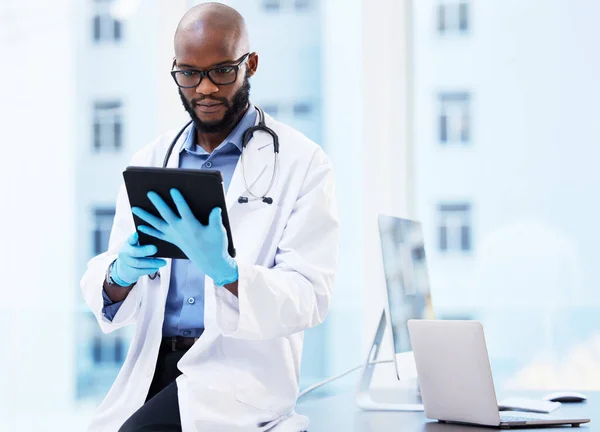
pixel 242 374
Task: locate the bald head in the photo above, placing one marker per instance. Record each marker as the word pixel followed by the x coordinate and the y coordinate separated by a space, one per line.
pixel 215 23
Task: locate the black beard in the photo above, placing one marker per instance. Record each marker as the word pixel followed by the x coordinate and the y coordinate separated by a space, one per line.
pixel 232 115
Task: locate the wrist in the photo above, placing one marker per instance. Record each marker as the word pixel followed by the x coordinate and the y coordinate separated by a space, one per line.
pixel 229 275
pixel 113 277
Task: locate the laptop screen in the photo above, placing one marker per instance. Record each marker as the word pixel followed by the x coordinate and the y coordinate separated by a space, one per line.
pixel 406 276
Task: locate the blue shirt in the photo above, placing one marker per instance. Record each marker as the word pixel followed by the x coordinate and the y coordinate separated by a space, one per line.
pixel 184 308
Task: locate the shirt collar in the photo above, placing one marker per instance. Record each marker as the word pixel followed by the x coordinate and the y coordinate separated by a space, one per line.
pixel 235 137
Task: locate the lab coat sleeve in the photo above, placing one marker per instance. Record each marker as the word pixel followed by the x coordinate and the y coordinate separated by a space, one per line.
pixel 93 278
pixel 295 293
pixel 110 308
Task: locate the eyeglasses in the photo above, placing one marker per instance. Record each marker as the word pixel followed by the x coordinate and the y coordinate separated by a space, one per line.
pixel 220 75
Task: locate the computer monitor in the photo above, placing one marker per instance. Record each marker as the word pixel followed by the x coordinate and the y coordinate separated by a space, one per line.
pixel 406 278
pixel 407 296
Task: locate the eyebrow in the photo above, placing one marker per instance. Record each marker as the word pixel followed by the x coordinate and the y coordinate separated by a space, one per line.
pixel 226 62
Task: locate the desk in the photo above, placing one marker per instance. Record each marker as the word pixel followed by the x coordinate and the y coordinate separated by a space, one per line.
pixel 339 414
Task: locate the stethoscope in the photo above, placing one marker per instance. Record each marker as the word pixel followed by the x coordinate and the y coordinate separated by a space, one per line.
pixel 261 126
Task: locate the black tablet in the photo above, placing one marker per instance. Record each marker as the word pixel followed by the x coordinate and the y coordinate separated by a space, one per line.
pixel 202 189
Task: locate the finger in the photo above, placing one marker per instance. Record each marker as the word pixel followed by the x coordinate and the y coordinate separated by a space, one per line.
pixel 146 271
pixel 142 251
pixel 152 232
pixel 156 222
pixel 214 219
pixel 163 209
pixel 133 239
pixel 146 263
pixel 182 206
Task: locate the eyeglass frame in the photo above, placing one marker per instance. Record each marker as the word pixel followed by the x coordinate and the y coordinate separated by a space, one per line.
pixel 205 73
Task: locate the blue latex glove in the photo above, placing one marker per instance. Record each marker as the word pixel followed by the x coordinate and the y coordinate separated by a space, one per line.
pixel 134 261
pixel 205 246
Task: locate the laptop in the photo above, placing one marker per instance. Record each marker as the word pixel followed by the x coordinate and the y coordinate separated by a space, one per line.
pixel 455 377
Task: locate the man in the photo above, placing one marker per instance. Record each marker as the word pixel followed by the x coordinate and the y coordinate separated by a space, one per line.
pixel 218 340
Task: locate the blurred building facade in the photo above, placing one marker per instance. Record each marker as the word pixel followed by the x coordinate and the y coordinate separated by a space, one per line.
pixel 504 100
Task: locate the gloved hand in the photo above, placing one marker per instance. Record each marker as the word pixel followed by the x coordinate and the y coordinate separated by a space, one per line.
pixel 205 246
pixel 134 261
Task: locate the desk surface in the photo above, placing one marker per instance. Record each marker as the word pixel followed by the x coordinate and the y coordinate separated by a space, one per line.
pixel 339 413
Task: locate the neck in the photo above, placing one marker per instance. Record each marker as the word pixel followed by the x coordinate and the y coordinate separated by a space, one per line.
pixel 210 141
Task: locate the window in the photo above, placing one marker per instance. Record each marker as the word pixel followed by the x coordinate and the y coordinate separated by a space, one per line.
pixel 99 356
pixel 272 5
pixel 454 118
pixel 302 5
pixel 272 110
pixel 108 125
pixel 302 109
pixel 103 220
pixel 107 350
pixel 453 16
pixel 288 5
pixel 106 27
pixel 455 227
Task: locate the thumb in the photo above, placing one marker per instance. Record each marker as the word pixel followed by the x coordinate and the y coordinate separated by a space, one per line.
pixel 214 219
pixel 133 239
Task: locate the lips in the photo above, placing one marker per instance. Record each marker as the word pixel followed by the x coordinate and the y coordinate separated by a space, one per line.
pixel 209 107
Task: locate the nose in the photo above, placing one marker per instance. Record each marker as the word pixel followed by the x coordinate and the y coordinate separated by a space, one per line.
pixel 206 87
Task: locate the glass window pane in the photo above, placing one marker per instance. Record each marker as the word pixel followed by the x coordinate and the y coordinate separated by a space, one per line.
pixel 119 350
pixel 463 17
pixel 272 5
pixel 464 128
pixel 465 232
pixel 443 239
pixel 117 30
pixel 97 137
pixel 443 128
pixel 272 110
pixel 302 109
pixel 97 351
pixel 441 18
pixel 301 4
pixel 97 28
pixel 118 129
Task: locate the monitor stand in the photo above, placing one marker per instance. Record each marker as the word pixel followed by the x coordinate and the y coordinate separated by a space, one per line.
pixel 363 397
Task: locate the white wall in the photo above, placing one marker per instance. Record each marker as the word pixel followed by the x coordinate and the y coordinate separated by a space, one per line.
pixel 342 113
pixel 367 127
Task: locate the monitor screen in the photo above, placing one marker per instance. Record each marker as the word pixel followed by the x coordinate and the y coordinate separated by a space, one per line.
pixel 406 277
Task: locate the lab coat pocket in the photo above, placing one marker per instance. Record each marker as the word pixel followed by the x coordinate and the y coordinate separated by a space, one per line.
pixel 252 227
pixel 256 401
pixel 257 384
pixel 254 394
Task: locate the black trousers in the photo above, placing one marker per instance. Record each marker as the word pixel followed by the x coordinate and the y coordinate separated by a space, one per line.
pixel 160 412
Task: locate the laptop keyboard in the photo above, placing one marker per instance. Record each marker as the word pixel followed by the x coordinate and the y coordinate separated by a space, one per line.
pixel 509 418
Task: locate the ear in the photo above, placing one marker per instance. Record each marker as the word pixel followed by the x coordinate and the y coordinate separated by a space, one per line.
pixel 252 63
